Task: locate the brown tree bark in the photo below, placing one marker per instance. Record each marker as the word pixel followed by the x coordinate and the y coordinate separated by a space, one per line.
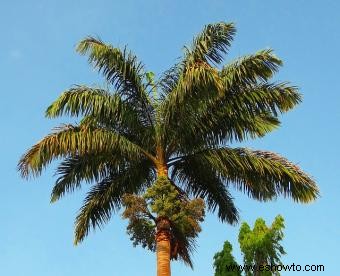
pixel 163 247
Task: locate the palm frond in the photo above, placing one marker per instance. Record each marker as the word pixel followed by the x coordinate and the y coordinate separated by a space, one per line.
pixel 168 80
pixel 213 127
pixel 71 140
pixel 237 115
pixel 211 43
pixel 199 80
pixel 104 109
pixel 239 103
pixel 122 69
pixel 195 78
pixel 182 247
pixel 250 69
pixel 87 167
pixel 263 175
pixel 198 84
pixel 200 179
pixel 83 100
pixel 106 197
pixel 267 97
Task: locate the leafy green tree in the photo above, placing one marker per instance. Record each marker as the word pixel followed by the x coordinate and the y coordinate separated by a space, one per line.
pixel 179 126
pixel 224 260
pixel 261 246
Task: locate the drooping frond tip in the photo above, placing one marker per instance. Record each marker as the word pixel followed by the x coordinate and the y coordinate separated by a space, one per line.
pixel 119 66
pixel 263 175
pixel 84 45
pixel 251 69
pixel 212 43
pixel 297 184
pixel 71 140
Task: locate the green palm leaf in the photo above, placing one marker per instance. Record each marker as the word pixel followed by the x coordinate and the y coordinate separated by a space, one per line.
pixel 200 179
pixel 106 196
pixel 72 140
pixel 90 168
pixel 185 247
pixel 211 43
pixel 104 109
pixel 251 69
pixel 262 174
pixel 122 69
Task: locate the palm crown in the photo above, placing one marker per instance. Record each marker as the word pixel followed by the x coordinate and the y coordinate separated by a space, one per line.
pixel 180 125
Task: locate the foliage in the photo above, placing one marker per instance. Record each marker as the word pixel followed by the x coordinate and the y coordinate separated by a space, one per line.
pixel 164 201
pixel 261 246
pixel 180 125
pixel 223 259
pixel 142 224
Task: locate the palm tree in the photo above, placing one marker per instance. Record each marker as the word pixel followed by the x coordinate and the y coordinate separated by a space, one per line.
pixel 179 126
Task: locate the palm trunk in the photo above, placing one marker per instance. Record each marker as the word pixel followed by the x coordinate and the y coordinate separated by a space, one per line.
pixel 163 247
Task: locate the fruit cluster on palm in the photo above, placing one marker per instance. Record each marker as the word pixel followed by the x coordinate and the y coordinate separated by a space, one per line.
pixel 179 126
pixel 165 221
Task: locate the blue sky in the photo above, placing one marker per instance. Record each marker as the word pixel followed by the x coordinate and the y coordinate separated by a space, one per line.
pixel 38 62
